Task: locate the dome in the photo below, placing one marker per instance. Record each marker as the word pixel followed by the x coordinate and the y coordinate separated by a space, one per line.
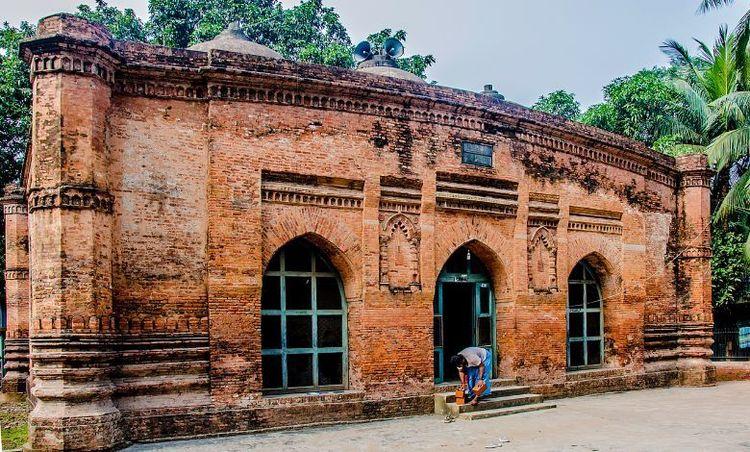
pixel 384 65
pixel 234 40
pixel 391 72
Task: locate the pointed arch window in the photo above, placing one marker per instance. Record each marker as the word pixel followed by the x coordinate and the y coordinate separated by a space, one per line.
pixel 585 323
pixel 303 322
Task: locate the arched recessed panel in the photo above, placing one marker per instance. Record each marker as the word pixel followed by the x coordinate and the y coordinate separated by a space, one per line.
pixel 399 255
pixel 542 263
pixel 303 321
pixel 585 322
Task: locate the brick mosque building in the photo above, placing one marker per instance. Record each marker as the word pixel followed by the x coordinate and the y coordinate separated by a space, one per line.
pixel 216 240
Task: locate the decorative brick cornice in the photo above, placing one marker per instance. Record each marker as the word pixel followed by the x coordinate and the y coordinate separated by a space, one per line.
pixel 70 197
pixel 694 171
pixel 91 63
pixel 544 210
pixel 598 155
pixel 296 195
pixel 13 202
pixel 587 219
pixel 594 227
pixel 16 273
pixel 535 222
pixel 476 195
pixel 696 252
pixel 15 209
pixel 145 70
pixel 400 199
pixel 161 88
pixel 120 325
pixel 299 189
pixel 473 119
pixel 696 179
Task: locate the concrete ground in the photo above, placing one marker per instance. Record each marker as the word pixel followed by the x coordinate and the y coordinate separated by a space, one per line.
pixel 670 419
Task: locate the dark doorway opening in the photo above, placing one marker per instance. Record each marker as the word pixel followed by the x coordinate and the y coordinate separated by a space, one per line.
pixel 458 315
pixel 464 312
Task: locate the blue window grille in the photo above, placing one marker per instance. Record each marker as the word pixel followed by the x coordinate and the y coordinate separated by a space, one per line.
pixel 585 324
pixel 478 154
pixel 303 322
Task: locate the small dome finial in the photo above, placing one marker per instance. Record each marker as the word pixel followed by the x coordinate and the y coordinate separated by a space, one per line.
pixel 233 39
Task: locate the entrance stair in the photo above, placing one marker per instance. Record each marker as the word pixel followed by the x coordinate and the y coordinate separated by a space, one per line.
pixel 507 398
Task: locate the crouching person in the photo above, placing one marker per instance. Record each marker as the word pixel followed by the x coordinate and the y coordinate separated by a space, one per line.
pixel 474 366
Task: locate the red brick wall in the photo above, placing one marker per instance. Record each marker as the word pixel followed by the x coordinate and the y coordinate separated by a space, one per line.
pixel 168 155
pixel 192 170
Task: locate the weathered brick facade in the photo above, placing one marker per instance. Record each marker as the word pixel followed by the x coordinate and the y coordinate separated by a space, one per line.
pixel 161 183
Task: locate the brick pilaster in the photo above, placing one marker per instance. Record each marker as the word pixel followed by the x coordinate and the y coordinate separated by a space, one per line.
pixel 694 315
pixel 16 290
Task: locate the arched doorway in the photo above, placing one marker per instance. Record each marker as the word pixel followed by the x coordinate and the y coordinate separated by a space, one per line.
pixel 303 322
pixel 584 318
pixel 464 311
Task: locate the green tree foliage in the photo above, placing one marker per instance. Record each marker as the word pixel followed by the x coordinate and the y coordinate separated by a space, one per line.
pixel 313 33
pixel 15 115
pixel 560 103
pixel 639 106
pixel 15 102
pixel 172 22
pixel 416 64
pixel 602 116
pixel 124 25
pixel 308 32
pixel 731 275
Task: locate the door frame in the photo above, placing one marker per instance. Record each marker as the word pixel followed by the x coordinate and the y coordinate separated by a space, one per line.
pixel 479 281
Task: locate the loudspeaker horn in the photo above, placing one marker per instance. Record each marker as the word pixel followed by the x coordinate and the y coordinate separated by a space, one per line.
pixel 393 48
pixel 363 51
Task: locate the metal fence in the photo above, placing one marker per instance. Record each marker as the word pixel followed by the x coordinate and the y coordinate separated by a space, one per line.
pixel 731 345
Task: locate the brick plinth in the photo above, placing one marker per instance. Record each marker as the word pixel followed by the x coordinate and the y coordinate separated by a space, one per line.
pixel 16 366
pixel 73 394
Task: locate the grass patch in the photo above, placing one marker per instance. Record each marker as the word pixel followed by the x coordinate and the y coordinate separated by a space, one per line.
pixel 14 427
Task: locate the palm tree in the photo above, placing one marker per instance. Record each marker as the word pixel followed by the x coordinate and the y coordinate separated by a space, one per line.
pixel 707 5
pixel 705 83
pixel 714 86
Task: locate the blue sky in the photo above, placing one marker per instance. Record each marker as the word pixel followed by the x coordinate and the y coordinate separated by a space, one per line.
pixel 525 48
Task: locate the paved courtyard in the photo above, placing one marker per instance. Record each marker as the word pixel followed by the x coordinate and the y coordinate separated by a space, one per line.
pixel 673 419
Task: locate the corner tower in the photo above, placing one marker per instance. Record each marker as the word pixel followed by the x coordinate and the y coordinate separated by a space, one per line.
pixel 70 219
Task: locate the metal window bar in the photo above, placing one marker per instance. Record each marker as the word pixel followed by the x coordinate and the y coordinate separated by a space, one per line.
pixel 313 312
pixel 476 153
pixel 588 279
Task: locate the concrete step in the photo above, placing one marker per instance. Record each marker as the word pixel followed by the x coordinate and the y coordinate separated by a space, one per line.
pixel 495 403
pixel 444 398
pixel 476 415
pixel 500 391
pixel 496 383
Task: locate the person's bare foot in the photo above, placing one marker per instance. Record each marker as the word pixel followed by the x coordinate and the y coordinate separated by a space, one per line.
pixel 474 402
